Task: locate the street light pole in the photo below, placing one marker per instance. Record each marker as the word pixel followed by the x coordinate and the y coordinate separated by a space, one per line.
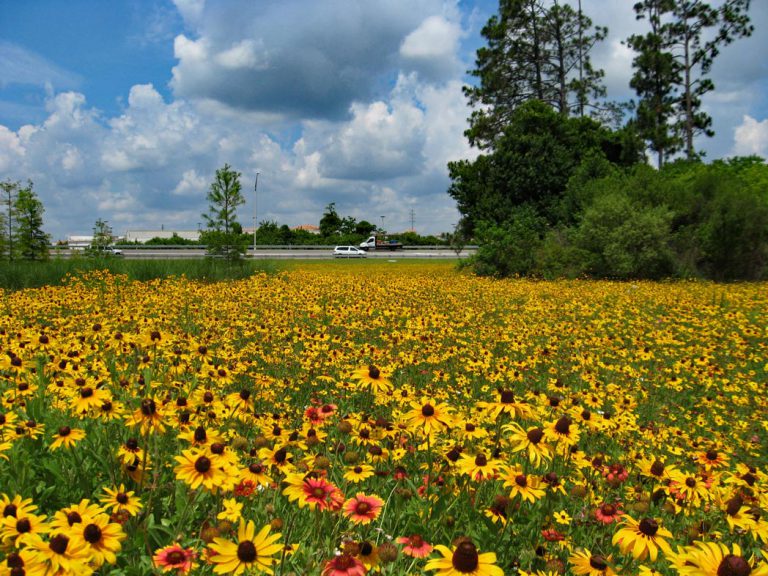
pixel 255 190
pixel 382 223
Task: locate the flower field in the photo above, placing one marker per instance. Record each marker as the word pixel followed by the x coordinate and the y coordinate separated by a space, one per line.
pixel 361 418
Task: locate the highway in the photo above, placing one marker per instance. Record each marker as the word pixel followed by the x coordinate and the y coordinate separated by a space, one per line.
pixel 274 253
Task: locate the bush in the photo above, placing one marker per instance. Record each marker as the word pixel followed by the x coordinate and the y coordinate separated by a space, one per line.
pixel 509 249
pixel 627 240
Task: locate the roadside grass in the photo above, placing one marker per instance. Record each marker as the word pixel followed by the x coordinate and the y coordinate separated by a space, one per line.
pixel 54 272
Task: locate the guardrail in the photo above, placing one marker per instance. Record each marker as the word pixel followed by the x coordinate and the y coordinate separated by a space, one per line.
pixel 258 247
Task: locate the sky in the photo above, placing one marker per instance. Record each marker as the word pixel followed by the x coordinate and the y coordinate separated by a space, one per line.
pixel 124 110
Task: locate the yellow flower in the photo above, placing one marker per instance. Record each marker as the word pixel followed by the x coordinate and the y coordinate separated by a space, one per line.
pixel 464 559
pixel 67 437
pixel 562 517
pixel 251 551
pixel 642 539
pixel 232 510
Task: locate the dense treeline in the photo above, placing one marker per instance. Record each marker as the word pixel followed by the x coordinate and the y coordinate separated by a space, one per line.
pixel 689 219
pixel 563 186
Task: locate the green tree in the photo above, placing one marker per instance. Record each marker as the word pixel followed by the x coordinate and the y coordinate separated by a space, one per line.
pixel 330 223
pixel 364 228
pixel 223 236
pixel 534 52
pixel 31 242
pixel 102 235
pixel 695 47
pixel 10 191
pixel 655 80
pixel 673 59
pixel 531 164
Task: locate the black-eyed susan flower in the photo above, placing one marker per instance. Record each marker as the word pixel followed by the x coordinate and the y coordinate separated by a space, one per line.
pixel 175 558
pixel 464 559
pixel 358 473
pixel 363 508
pixel 374 378
pixel 200 468
pixel 526 486
pixel 531 441
pixel 15 528
pixel 119 500
pixel 584 563
pixel 67 437
pixel 79 513
pixel 642 539
pixel 102 539
pixel 232 510
pixel 16 506
pixel 716 559
pixel 64 553
pixel 478 467
pixel 250 552
pixel 429 416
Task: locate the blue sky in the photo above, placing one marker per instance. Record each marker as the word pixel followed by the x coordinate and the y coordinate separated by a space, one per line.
pixel 124 110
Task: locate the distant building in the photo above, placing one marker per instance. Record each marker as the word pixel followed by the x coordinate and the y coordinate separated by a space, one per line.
pixel 145 235
pixel 79 242
pixel 311 228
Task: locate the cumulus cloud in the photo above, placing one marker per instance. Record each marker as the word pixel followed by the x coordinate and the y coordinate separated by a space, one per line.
pixel 751 137
pixel 432 48
pixel 300 58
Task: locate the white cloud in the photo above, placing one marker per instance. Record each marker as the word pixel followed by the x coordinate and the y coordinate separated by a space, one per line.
pixel 242 54
pixel 11 150
pixel 751 137
pixel 431 49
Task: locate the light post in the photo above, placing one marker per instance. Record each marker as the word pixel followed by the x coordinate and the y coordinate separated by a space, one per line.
pixel 255 190
pixel 382 224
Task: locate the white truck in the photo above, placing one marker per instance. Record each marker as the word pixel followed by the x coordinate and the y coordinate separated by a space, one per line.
pixel 375 244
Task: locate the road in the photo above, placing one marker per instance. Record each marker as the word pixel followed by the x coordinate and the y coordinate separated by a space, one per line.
pixel 284 253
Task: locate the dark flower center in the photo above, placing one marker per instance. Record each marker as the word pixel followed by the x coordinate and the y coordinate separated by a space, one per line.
pixel 690 482
pixel 733 566
pixel 362 508
pixel 281 455
pixel 245 394
pixel 255 468
pixel 507 396
pixel 598 562
pixel 343 562
pixel 649 526
pixel 86 392
pixel 357 469
pixel 74 518
pixel 132 444
pixel 427 410
pixel 202 464
pixel 521 480
pixel 59 543
pixel 246 552
pixel 712 454
pixel 481 460
pixel 175 557
pixel 468 427
pixel 122 498
pixel 200 434
pixel 65 431
pixel 148 407
pixel 14 561
pixel 416 541
pixel 23 525
pixel 608 509
pixel 535 435
pixel 92 533
pixel 10 510
pixel 318 492
pixel 657 468
pixel 217 448
pixel 366 548
pixel 586 415
pixel 734 505
pixel 373 372
pixel 465 558
pixel 563 426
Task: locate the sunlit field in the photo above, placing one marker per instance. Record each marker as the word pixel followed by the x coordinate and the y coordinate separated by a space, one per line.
pixel 353 418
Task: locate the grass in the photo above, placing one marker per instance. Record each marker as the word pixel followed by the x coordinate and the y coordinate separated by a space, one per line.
pixel 54 272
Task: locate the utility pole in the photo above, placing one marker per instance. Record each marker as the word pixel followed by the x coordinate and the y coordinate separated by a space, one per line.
pixel 413 218
pixel 255 191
